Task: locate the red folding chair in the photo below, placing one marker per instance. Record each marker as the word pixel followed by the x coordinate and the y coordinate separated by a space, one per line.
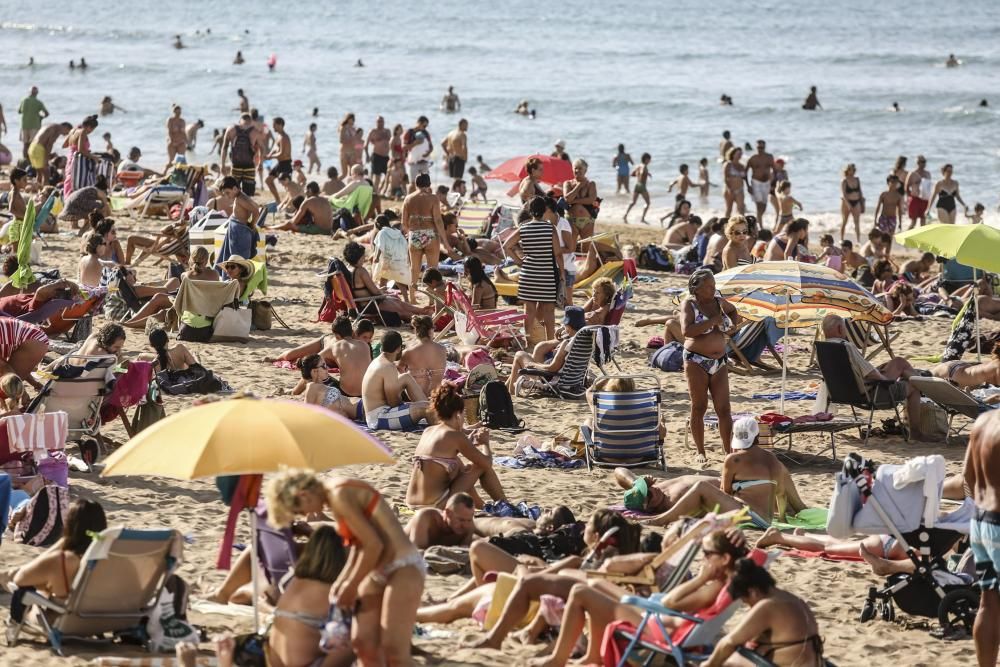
pixel 490 326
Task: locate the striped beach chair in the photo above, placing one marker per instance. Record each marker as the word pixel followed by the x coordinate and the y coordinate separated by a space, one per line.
pixel 473 217
pixel 570 382
pixel 626 429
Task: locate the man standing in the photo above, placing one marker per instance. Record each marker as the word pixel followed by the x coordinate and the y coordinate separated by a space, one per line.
pixel 192 133
pixel 450 102
pixel 176 136
pixel 417 147
pixel 241 230
pixel 238 145
pixel 759 168
pixel 812 101
pixel 378 138
pixel 454 526
pixel 244 106
pixel 40 149
pixel 282 152
pixel 32 112
pixel 918 187
pixel 982 482
pixel 456 149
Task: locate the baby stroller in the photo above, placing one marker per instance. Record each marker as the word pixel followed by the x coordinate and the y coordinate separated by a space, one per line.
pixel 902 502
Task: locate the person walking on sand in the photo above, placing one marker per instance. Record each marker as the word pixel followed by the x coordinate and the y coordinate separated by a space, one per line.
pixel 812 101
pixel 282 153
pixel 918 187
pixel 982 482
pixel 759 169
pixel 378 139
pixel 176 135
pixel 456 149
pixel 620 163
pixel 641 174
pixel 32 112
pixel 852 201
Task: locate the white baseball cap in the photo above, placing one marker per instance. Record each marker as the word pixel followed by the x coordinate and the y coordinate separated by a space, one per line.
pixel 745 431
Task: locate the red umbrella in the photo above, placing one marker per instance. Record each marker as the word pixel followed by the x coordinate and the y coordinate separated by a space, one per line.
pixel 555 171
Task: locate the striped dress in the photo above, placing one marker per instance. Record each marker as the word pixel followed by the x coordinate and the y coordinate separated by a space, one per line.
pixel 537 280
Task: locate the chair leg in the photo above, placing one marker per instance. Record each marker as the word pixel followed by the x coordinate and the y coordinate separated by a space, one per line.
pixel 868 433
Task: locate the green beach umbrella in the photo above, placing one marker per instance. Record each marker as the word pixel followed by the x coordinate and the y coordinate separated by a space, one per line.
pixel 23 276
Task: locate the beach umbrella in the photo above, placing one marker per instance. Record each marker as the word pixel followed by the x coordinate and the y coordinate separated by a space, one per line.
pixel 245 436
pixel 555 171
pixel 23 276
pixel 977 246
pixel 797 294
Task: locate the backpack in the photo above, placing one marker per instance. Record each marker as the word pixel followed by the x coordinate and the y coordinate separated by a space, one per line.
pixel 653 258
pixel 241 152
pixel 496 409
pixel 668 358
pixel 196 379
pixel 42 523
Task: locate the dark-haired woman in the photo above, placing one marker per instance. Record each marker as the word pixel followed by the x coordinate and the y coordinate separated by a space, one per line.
pixel 363 287
pixel 166 357
pixel 706 319
pixel 537 287
pixel 52 572
pixel 529 187
pixel 78 143
pixel 438 472
pixel 786 244
pixel 780 626
pixel 318 392
pixel 484 292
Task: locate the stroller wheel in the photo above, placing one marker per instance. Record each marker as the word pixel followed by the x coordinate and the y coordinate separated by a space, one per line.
pixel 89 451
pixel 867 612
pixel 888 612
pixel 958 610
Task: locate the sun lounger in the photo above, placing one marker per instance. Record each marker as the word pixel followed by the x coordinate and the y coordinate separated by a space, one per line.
pixel 119 581
pixel 626 429
pixel 570 381
pixel 952 400
pixel 485 327
pixel 474 217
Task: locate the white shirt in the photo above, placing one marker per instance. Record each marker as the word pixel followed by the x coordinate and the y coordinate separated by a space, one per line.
pixel 569 258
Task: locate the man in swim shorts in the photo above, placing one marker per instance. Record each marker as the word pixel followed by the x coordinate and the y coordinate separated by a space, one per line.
pixel 456 149
pixel 238 144
pixel 315 215
pixel 417 147
pixel 379 138
pixel 759 168
pixel 40 149
pixel 282 152
pixel 918 187
pixel 393 401
pixel 982 480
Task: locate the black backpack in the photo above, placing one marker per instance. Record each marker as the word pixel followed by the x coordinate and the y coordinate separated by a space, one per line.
pixel 496 410
pixel 653 258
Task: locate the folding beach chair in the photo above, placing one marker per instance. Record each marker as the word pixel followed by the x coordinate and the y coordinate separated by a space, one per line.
pixel 474 217
pixel 485 327
pixel 870 338
pixel 952 400
pixel 339 298
pixel 620 302
pixel 202 231
pixel 626 427
pixel 570 382
pixel 748 342
pixel 168 195
pixel 276 550
pixel 41 314
pixel 119 582
pixel 846 386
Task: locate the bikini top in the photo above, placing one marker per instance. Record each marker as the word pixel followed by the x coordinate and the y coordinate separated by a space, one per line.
pixel 331 396
pixel 343 528
pixel 700 317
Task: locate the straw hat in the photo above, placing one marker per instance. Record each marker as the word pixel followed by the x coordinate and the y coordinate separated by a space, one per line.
pixel 246 264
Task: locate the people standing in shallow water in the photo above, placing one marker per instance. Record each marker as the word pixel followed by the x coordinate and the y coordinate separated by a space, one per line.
pixel 238 60
pixel 641 174
pixel 812 101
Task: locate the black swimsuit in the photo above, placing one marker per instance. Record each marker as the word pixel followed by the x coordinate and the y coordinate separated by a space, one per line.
pixel 946 201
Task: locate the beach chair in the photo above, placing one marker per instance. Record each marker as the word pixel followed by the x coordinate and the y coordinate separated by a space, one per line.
pixel 78 385
pixel 620 303
pixel 484 327
pixel 570 382
pixel 617 271
pixel 48 309
pixel 339 298
pixel 276 551
pixel 870 338
pixel 202 231
pixel 952 400
pixel 626 429
pixel 167 195
pixel 119 582
pixel 846 386
pixel 746 347
pixel 473 217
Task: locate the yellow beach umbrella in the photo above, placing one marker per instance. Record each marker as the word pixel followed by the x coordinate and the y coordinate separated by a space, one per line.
pixel 245 436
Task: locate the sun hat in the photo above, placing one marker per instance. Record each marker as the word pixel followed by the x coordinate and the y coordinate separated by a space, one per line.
pixel 745 431
pixel 246 264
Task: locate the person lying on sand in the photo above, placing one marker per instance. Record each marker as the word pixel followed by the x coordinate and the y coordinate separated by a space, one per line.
pixel 438 473
pixel 671 327
pixel 425 360
pixel 318 392
pixel 453 526
pixel 393 400
pixel 339 349
pixel 971 373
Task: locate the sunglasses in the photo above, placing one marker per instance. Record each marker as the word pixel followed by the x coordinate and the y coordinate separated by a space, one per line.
pixel 741 232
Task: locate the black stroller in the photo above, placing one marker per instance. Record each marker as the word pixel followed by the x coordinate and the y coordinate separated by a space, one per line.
pixel 868 501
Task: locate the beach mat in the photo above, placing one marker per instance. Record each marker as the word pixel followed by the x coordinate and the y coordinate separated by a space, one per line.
pixel 798 553
pixel 811 518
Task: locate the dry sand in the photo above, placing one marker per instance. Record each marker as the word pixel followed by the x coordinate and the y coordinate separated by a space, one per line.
pixel 835 590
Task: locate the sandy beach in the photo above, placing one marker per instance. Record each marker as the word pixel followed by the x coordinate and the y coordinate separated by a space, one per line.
pixel 835 590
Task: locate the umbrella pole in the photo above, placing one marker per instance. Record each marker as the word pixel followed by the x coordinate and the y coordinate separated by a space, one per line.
pixel 784 356
pixel 975 296
pixel 254 567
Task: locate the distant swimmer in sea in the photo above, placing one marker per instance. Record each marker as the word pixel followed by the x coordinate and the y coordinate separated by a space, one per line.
pixel 31 61
pixel 895 107
pixel 272 62
pixel 178 44
pixel 450 102
pixel 983 103
pixel 952 61
pixel 726 100
pixel 83 63
pixel 812 102
pixel 522 108
pixel 238 60
pixel 359 63
pixel 315 112
pixel 108 107
pixel 72 65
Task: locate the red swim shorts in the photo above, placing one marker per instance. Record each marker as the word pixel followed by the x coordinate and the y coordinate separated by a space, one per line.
pixel 917 208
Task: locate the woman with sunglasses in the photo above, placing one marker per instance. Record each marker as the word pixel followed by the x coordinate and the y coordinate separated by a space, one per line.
pixel 737 251
pixel 706 319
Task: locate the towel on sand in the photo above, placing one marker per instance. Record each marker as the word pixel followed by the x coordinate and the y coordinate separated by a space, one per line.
pixel 811 518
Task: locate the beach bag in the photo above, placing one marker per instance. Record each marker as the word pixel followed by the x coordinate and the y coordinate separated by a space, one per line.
pixel 264 316
pixel 232 324
pixel 149 411
pixel 42 523
pixel 166 626
pixel 932 420
pixel 669 358
pixel 81 330
pixel 653 258
pixel 195 379
pixel 496 409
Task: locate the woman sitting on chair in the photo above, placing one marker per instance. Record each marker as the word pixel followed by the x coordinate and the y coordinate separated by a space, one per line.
pixel 363 287
pixel 601 301
pixel 484 292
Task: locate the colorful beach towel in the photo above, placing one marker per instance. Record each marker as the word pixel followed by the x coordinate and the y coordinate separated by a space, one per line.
pixel 811 518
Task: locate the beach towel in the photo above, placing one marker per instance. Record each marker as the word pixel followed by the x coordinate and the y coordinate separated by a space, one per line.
pixel 360 199
pixel 605 344
pixel 536 458
pixel 789 396
pixel 239 240
pixel 629 514
pixel 394 258
pixel 204 297
pixel 37 433
pixel 798 553
pixel 811 518
pixel 508 510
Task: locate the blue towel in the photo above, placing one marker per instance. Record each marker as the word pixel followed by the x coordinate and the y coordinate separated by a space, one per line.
pixel 789 396
pixel 4 501
pixel 535 458
pixel 239 240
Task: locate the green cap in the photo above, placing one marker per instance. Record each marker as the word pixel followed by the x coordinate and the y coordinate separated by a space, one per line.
pixel 635 498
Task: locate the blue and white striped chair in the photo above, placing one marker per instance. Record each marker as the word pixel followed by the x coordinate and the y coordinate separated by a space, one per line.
pixel 626 427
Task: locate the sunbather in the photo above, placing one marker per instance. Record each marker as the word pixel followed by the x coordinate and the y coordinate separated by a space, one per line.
pixel 302 609
pixel 671 327
pixel 198 268
pixel 438 473
pixel 654 494
pixel 425 360
pixel 314 215
pixel 971 373
pixel 385 573
pixel 602 299
pixel 318 392
pixel 363 287
pixel 339 349
pixel 169 235
pixel 781 625
pixel 22 347
pixel 173 358
pixel 13 399
pixel 453 526
pixel 51 573
pixel 108 340
pixel 539 358
pixel 882 552
pixel 756 476
pixel 393 400
pixel 91 268
pixel 16 305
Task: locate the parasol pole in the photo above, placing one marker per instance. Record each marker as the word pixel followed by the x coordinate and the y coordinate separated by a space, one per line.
pixel 254 567
pixel 784 354
pixel 975 302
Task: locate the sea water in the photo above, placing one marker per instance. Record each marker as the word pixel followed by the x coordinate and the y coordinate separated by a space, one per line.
pixel 645 73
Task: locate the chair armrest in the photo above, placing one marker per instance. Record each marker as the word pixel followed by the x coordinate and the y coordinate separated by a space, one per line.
pixel 38 600
pixel 655 607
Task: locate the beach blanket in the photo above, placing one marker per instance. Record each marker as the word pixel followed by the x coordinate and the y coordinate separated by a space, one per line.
pixel 798 553
pixel 789 396
pixel 811 518
pixel 536 458
pixel 360 199
pixel 629 514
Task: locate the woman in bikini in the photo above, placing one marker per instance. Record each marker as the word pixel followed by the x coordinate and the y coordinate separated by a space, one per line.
pixel 363 287
pixel 581 195
pixel 786 244
pixel 318 392
pixel 852 202
pixel 736 252
pixel 303 606
pixel 529 186
pixel 781 625
pixel 946 191
pixel 164 358
pixel 424 229
pixel 484 292
pixel 348 155
pixel 384 576
pixel 734 176
pixel 438 473
pixel 706 320
pixel 971 373
pixel 53 571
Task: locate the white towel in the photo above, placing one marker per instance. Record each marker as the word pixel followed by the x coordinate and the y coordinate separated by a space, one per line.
pixel 931 470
